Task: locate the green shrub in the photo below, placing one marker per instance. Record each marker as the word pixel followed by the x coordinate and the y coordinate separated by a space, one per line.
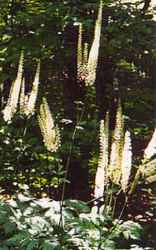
pixel 27 223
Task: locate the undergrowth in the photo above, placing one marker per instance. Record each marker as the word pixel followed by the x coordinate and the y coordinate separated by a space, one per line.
pixel 27 223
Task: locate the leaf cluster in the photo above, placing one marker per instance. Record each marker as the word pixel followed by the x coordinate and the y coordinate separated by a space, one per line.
pixel 27 223
pixel 25 160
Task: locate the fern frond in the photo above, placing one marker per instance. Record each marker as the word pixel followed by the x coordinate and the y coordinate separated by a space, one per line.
pixel 30 107
pixel 50 132
pixel 126 164
pixel 151 179
pixel 147 170
pixel 94 51
pixel 101 174
pixel 11 106
pixel 117 147
pixel 151 147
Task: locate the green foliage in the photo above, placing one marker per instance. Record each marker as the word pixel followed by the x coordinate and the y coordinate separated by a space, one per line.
pixel 25 160
pixel 31 224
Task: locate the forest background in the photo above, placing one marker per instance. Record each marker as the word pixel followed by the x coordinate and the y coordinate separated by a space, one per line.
pixel 47 31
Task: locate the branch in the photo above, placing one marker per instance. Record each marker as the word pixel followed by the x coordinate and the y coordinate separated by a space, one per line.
pixel 146 6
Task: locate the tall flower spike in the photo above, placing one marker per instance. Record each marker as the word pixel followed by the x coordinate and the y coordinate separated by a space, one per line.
pixel 79 53
pixel 29 110
pixel 23 100
pixel 11 106
pixel 22 96
pixel 85 61
pixel 50 132
pixel 94 51
pixel 85 54
pixel 126 164
pixel 117 148
pixel 151 147
pixel 101 174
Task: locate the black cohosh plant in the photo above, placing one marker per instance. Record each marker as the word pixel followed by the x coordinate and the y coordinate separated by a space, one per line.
pixel 12 103
pixel 50 132
pixel 17 99
pixel 45 224
pixel 87 61
pixel 23 158
pixel 114 170
pixel 115 161
pixel 28 101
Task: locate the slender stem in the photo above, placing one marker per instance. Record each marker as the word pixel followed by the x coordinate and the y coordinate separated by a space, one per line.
pixel 95 199
pixel 67 166
pixel 123 208
pixel 115 202
pixel 136 179
pixel 69 156
pixel 120 215
pixel 114 206
pixel 100 240
pixel 110 201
